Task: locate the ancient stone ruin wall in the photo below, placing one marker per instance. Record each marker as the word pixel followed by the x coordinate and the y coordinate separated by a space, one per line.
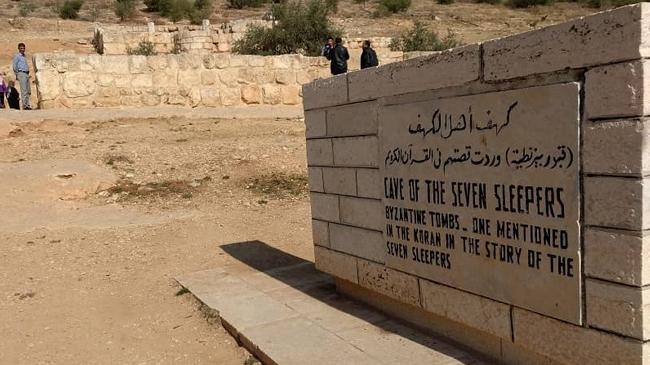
pixel 420 170
pixel 73 81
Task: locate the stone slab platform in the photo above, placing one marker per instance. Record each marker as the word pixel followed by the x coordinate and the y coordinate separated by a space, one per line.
pixel 293 315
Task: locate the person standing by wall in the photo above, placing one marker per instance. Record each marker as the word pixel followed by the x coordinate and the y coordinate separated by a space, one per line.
pixel 21 69
pixel 339 57
pixel 368 56
pixel 325 50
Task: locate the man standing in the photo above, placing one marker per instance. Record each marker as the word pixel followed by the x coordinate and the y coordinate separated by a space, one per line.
pixel 21 69
pixel 325 50
pixel 339 56
pixel 368 56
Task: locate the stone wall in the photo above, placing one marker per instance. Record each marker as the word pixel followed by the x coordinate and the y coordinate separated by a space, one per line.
pixel 581 85
pixel 73 81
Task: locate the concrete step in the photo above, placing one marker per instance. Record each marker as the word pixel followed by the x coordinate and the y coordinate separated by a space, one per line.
pixel 293 315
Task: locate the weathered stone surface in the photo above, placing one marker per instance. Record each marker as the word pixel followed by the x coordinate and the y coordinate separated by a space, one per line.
pixel 320 233
pixel 369 184
pixel 271 94
pixel 389 282
pixel 290 94
pixel 49 85
pixel 361 212
pixel 356 151
pixel 617 256
pixel 357 241
pixel 477 312
pixel 78 84
pixel 441 69
pixel 335 263
pixel 573 44
pixel 626 152
pixel 142 81
pixel 340 181
pixel 285 77
pixel 230 96
pixel 618 308
pixel 315 125
pixel 166 78
pixel 352 120
pixel 319 152
pixel 251 94
pixel 189 78
pixel 210 97
pixel 618 90
pixel 566 343
pixel 324 207
pixel 209 77
pixel 616 202
pixel 327 92
pixel 315 177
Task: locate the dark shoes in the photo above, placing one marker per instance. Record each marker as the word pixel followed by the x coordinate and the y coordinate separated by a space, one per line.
pixel 27 108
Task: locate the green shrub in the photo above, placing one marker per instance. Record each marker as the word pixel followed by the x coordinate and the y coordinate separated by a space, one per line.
pixel 493 2
pixel 145 48
pixel 177 10
pixel 300 28
pixel 124 9
pixel 70 9
pixel 26 8
pixel 445 2
pixel 527 3
pixel 240 4
pixel 381 12
pixel 395 6
pixel 421 39
pixel 202 10
pixel 332 5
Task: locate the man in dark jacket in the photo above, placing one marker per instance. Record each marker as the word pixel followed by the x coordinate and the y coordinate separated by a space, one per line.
pixel 339 57
pixel 368 56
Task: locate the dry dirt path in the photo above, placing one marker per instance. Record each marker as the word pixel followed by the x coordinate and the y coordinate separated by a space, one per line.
pixel 99 217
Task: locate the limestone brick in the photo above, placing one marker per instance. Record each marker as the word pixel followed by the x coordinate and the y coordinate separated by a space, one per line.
pixel 228 78
pixel 49 85
pixel 157 62
pixel 484 314
pixel 319 152
pixel 256 61
pixel 369 184
pixel 315 176
pixel 570 344
pixel 339 181
pixel 290 94
pixel 626 152
pixel 356 151
pixel 165 78
pixel 255 76
pixel 271 94
pixel 389 282
pixel 230 96
pixel 210 96
pixel 138 64
pixel 209 77
pixel 574 44
pixel 142 81
pixel 320 233
pixel 216 60
pixel 251 94
pixel 617 90
pixel 335 263
pixel 354 119
pixel 116 65
pixel 78 84
pixel 441 69
pixel 328 92
pixel 315 125
pixel 150 99
pixel 189 78
pixel 361 212
pixel 237 60
pixel 285 77
pixel 618 256
pixel 618 308
pixel 103 80
pixel 194 97
pixel 358 242
pixel 616 202
pixel 324 206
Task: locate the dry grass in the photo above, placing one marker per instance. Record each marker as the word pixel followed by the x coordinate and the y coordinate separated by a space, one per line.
pixel 181 188
pixel 279 185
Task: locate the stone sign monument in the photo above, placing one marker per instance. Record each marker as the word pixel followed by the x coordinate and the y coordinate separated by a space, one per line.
pixel 496 194
pixel 482 193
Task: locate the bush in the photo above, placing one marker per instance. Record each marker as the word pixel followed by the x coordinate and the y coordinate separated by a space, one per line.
pixel 445 2
pixel 70 9
pixel 395 6
pixel 421 39
pixel 177 10
pixel 493 2
pixel 332 5
pixel 240 4
pixel 145 48
pixel 527 3
pixel 26 8
pixel 299 28
pixel 124 9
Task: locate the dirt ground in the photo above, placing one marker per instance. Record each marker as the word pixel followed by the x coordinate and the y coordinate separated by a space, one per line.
pixel 97 219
